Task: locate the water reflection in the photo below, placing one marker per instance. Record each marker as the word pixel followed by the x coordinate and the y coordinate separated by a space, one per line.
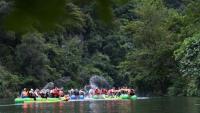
pixel 25 107
pixel 81 107
pixel 153 105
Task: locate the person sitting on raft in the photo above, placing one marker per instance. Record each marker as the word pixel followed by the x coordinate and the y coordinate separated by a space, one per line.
pixel 61 92
pixel 111 92
pixel 36 92
pixel 131 92
pixel 71 92
pixel 24 93
pixel 104 91
pixel 44 93
pixel 31 94
pixel 55 92
pixel 76 92
pixel 66 97
pixel 91 92
pixel 124 90
pixel 81 92
pixel 118 92
pixel 97 91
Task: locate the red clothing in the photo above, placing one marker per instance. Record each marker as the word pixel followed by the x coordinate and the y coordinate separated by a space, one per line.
pixel 97 92
pixel 55 93
pixel 104 91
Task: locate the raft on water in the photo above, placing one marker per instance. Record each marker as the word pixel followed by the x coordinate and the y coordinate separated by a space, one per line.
pixel 39 100
pixel 125 96
pixel 95 97
pixel 121 97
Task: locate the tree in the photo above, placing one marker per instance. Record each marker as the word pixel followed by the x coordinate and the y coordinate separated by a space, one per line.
pixel 188 56
pixel 8 83
pixel 44 15
pixel 30 57
pixel 150 65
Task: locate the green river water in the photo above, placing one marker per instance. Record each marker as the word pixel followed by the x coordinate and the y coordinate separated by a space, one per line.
pixel 151 105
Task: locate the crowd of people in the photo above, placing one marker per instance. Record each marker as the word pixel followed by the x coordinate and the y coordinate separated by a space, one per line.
pixel 112 92
pixel 44 93
pixel 59 92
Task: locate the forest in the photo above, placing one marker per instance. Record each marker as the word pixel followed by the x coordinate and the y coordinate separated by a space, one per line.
pixel 150 45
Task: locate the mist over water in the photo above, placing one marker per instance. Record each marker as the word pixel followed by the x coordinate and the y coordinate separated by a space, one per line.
pixel 99 82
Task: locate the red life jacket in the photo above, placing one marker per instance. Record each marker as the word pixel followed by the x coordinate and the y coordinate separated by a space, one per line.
pixel 97 92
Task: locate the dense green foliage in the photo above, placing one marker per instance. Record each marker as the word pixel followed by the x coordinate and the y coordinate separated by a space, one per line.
pixel 188 56
pixel 151 45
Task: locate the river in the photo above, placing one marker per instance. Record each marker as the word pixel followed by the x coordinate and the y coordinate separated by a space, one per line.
pixel 150 105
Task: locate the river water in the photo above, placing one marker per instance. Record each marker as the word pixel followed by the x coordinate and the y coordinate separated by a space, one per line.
pixel 145 105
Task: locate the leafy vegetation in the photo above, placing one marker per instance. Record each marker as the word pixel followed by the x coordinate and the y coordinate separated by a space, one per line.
pixel 151 45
